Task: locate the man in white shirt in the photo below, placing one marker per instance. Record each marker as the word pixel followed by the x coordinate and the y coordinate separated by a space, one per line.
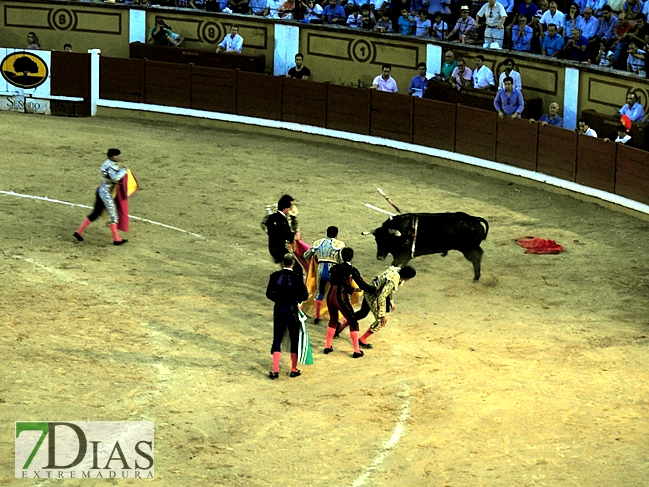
pixel 232 42
pixel 583 128
pixel 483 77
pixel 495 16
pixel 385 82
pixel 553 16
pixel 509 71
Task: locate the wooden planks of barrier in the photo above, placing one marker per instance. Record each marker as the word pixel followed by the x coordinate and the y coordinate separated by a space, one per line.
pixel 475 132
pixel 557 152
pixel 516 143
pixel 632 173
pixel 434 124
pixel 596 163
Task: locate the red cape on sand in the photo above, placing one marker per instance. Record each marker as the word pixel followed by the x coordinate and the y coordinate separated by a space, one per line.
pixel 534 245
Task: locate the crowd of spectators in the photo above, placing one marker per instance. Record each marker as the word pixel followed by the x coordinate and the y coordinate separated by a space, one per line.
pixel 608 33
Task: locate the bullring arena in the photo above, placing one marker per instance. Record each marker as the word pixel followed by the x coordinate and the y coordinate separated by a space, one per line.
pixel 535 375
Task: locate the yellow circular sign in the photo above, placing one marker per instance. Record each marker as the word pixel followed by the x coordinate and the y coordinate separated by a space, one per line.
pixel 24 70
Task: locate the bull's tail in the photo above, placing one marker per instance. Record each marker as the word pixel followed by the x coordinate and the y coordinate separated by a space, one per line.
pixel 486 224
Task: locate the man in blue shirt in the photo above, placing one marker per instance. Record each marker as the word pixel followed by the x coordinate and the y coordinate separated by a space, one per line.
pixel 509 102
pixel 419 84
pixel 607 24
pixel 551 118
pixel 632 109
pixel 522 35
pixel 334 13
pixel 552 42
pixel 575 48
pixel 406 23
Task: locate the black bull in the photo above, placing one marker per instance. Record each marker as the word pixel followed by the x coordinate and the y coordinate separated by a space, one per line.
pixel 413 234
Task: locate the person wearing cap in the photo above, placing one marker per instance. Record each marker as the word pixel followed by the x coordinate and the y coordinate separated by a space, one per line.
pixel 495 16
pixel 465 28
pixel 111 174
pixel 381 301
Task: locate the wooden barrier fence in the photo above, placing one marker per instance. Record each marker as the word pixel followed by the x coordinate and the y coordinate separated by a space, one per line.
pixel 554 151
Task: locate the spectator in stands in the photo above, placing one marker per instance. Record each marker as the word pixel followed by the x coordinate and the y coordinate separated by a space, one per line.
pixel 552 16
pixel 333 13
pixel 273 9
pixel 510 73
pixel 572 20
pixel 448 66
pixel 483 77
pixel 385 23
pixel 632 109
pixel 522 35
pixel 312 12
pixel 551 118
pixel 596 5
pixel 287 10
pixel 528 9
pixel 462 77
pixel 354 20
pixel 439 29
pixel 509 101
pixel 385 82
pixel 632 8
pixel 635 63
pixel 161 34
pixel 588 24
pixel 575 48
pixel 32 41
pixel 406 23
pixel 419 84
pixel 239 6
pixel 186 4
pixel 232 42
pixel 552 42
pixel 607 24
pixel 67 48
pixel 465 28
pixel 605 57
pixel 536 26
pixel 441 6
pixel 583 128
pixel 495 15
pixel 367 18
pixel 257 7
pixel 622 136
pixel 423 26
pixel 299 71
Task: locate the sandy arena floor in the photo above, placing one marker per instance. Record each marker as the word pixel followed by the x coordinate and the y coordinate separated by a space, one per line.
pixel 535 376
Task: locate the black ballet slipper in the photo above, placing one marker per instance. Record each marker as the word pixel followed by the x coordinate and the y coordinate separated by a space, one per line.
pixel 328 350
pixel 273 375
pixel 295 373
pixel 365 345
pixel 120 242
pixel 77 236
pixel 358 354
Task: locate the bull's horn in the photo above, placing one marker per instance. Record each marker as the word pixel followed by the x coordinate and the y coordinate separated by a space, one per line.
pixel 394 232
pixel 367 232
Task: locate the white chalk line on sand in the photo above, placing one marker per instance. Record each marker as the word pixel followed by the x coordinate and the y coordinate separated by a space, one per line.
pixel 51 200
pixel 385 450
